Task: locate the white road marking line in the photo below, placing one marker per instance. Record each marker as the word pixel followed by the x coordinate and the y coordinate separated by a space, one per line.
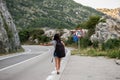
pixel 50 77
pixel 24 61
pixel 53 75
pixel 17 63
pixel 29 50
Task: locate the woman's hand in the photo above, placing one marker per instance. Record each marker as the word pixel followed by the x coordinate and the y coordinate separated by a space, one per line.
pixel 45 44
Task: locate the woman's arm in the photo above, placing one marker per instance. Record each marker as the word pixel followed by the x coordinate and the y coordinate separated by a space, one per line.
pixel 46 44
pixel 63 43
pixel 49 43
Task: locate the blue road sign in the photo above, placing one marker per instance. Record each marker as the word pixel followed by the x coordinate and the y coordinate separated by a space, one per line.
pixel 75 38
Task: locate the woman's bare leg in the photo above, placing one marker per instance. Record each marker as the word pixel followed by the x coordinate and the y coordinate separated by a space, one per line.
pixel 59 60
pixel 57 63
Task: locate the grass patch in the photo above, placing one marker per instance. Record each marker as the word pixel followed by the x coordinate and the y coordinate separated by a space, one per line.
pixel 114 53
pixel 18 51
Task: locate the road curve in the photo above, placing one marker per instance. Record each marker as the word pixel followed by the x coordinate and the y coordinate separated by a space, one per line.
pixel 33 64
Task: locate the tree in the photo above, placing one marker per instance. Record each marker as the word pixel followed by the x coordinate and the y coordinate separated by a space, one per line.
pixel 90 24
pixel 92 21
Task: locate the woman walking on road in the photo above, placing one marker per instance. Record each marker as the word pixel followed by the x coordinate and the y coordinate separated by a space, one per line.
pixel 59 51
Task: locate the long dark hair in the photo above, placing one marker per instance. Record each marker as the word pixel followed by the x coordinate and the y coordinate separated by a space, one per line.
pixel 57 37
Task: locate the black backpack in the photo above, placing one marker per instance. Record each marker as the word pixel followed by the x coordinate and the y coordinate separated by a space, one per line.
pixel 60 49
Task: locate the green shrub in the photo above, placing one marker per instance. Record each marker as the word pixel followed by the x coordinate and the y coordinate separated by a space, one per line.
pixel 35 33
pixel 95 52
pixel 43 38
pixel 111 44
pixel 85 42
pixel 95 44
pixel 91 52
pixel 70 40
pixel 24 35
pixel 114 53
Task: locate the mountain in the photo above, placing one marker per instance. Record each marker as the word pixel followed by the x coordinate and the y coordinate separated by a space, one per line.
pixel 115 13
pixel 9 39
pixel 49 13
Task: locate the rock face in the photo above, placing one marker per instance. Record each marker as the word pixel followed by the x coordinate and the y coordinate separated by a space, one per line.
pixel 9 40
pixel 107 30
pixel 115 13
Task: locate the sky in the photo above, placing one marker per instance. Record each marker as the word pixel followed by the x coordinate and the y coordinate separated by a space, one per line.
pixel 111 4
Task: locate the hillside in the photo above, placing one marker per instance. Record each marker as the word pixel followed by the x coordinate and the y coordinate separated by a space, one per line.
pixel 49 13
pixel 115 13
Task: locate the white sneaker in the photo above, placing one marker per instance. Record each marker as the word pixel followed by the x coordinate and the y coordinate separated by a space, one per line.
pixel 53 72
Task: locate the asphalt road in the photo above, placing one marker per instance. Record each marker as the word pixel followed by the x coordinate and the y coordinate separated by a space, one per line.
pixel 33 64
pixel 91 68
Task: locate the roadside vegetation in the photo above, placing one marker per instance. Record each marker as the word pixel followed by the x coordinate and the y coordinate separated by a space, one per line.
pixel 33 36
pixel 110 49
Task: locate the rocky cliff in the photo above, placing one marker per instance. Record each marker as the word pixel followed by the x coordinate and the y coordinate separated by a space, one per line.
pixel 115 13
pixel 9 40
pixel 110 29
